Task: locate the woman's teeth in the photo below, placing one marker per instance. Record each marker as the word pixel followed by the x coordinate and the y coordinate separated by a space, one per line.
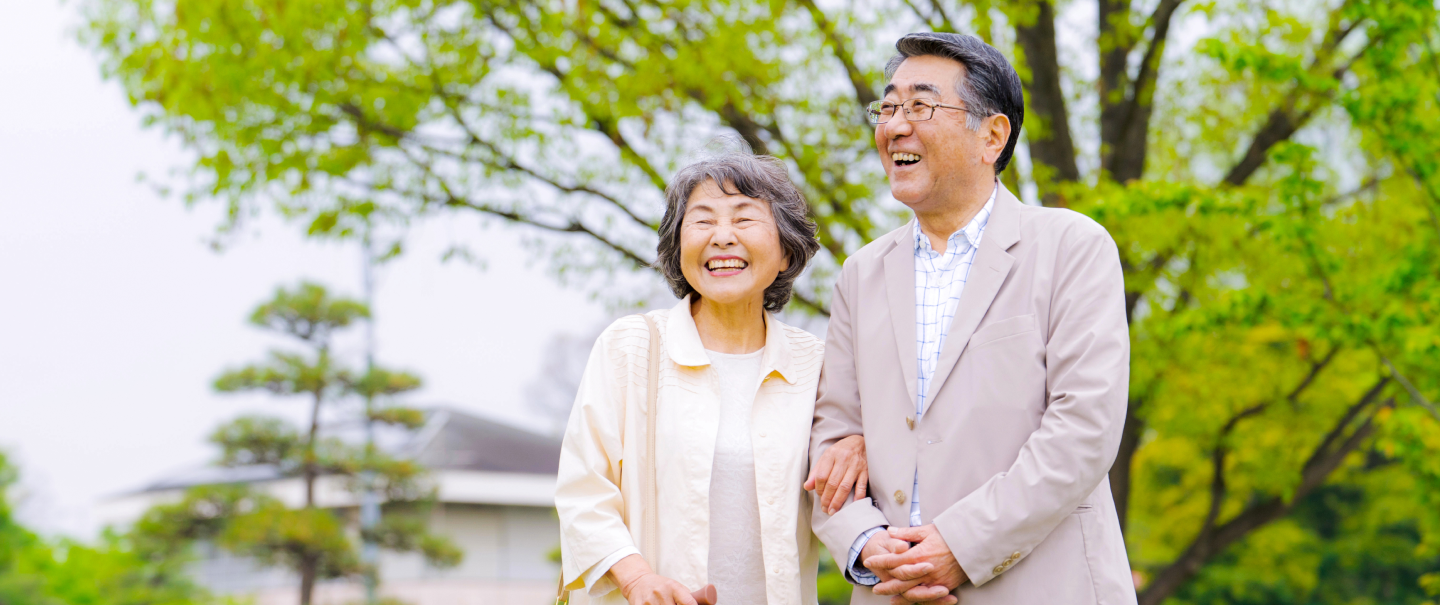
pixel 904 158
pixel 728 263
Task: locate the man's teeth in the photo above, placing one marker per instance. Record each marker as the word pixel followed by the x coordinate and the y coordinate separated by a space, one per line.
pixel 728 263
pixel 904 157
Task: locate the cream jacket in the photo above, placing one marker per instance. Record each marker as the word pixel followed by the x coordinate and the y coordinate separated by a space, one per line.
pixel 598 491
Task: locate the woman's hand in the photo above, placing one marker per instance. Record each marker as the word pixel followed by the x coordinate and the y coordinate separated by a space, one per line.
pixel 839 470
pixel 642 586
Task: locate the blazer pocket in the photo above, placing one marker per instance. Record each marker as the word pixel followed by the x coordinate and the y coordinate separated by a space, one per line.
pixel 1004 328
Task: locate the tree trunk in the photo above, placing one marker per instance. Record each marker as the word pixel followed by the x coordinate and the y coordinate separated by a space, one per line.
pixel 1124 460
pixel 1052 151
pixel 311 471
pixel 1115 48
pixel 308 564
pixel 307 580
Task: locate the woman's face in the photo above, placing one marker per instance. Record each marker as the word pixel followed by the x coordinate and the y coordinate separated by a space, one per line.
pixel 729 246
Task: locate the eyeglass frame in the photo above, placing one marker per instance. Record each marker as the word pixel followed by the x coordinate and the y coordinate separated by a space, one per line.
pixel 872 111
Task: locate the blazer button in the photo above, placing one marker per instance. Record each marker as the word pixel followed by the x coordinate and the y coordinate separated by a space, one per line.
pixel 998 569
pixel 910 422
pixel 899 497
pixel 1015 556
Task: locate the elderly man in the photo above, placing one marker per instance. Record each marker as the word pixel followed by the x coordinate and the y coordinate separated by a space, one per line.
pixel 982 351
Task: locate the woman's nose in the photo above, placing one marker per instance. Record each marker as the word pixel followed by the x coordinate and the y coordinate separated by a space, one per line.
pixel 724 236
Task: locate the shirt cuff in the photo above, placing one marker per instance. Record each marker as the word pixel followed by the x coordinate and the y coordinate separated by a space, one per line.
pixel 859 573
pixel 596 579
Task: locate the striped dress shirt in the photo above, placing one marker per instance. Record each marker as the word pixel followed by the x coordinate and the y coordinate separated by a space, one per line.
pixel 939 282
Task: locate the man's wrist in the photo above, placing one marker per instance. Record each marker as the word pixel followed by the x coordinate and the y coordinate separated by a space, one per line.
pixel 860 574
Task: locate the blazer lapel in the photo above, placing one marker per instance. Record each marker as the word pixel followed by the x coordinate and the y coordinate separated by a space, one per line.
pixel 900 286
pixel 991 267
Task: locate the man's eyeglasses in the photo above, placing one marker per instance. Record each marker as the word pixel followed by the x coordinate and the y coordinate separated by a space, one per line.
pixel 916 110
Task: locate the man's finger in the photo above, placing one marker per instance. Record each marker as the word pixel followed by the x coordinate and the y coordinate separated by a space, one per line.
pixel 861 485
pixel 948 599
pixel 908 534
pixel 897 546
pixel 893 587
pixel 913 571
pixel 925 593
pixel 891 561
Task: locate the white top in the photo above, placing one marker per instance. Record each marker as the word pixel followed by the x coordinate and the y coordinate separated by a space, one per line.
pixel 737 567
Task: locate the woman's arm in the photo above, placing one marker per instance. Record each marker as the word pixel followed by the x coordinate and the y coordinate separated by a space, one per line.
pixel 587 490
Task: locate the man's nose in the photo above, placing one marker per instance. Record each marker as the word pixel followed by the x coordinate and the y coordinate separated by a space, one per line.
pixel 898 126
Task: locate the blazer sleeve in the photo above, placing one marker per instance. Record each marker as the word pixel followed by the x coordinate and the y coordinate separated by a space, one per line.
pixel 588 499
pixel 837 415
pixel 1087 361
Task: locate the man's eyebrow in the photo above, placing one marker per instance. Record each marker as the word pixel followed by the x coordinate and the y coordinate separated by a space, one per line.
pixel 916 88
pixel 925 87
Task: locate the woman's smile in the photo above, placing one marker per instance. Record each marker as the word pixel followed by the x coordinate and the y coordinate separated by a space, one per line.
pixel 725 265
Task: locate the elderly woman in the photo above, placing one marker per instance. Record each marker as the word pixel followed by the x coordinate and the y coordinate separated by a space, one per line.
pixel 735 393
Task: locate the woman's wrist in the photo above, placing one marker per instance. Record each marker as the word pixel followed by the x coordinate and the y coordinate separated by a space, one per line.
pixel 627 571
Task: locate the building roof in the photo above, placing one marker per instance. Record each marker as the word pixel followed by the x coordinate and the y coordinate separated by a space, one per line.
pixel 454 440
pixel 450 440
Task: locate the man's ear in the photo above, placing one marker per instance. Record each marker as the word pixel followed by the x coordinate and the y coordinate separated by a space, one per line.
pixel 997 134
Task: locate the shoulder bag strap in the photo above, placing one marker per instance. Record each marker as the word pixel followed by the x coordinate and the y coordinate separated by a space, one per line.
pixel 650 491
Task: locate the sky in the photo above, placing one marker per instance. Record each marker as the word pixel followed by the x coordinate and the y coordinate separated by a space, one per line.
pixel 115 315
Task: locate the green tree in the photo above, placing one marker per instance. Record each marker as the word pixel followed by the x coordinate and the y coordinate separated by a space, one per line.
pixel 311 540
pixel 36 571
pixel 1269 171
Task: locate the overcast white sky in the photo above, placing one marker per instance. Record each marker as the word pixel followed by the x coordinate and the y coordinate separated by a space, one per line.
pixel 114 315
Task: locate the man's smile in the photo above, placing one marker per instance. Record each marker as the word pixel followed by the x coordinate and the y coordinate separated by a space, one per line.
pixel 905 159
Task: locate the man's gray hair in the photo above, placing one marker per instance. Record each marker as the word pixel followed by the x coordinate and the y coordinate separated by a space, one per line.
pixel 990 85
pixel 761 177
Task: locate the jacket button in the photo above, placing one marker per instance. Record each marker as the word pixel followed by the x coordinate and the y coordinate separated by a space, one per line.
pixel 1014 556
pixel 899 497
pixel 910 422
pixel 998 569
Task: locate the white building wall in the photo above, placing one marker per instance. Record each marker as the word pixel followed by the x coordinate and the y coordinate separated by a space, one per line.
pixel 507 561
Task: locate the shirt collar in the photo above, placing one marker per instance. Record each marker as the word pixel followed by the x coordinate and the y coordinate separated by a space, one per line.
pixel 682 343
pixel 972 231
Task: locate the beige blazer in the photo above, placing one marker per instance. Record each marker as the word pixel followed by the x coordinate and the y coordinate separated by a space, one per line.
pixel 598 487
pixel 1025 412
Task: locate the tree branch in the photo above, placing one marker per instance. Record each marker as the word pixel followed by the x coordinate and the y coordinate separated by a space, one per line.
pixel 864 92
pixel 1297 108
pixel 1212 540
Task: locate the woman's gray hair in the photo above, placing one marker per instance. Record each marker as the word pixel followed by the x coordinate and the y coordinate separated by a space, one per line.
pixel 761 177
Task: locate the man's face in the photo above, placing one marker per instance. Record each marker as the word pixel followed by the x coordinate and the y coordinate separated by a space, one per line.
pixel 950 155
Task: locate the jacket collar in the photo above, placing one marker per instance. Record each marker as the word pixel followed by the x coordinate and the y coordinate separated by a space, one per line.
pixel 1002 225
pixel 682 343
